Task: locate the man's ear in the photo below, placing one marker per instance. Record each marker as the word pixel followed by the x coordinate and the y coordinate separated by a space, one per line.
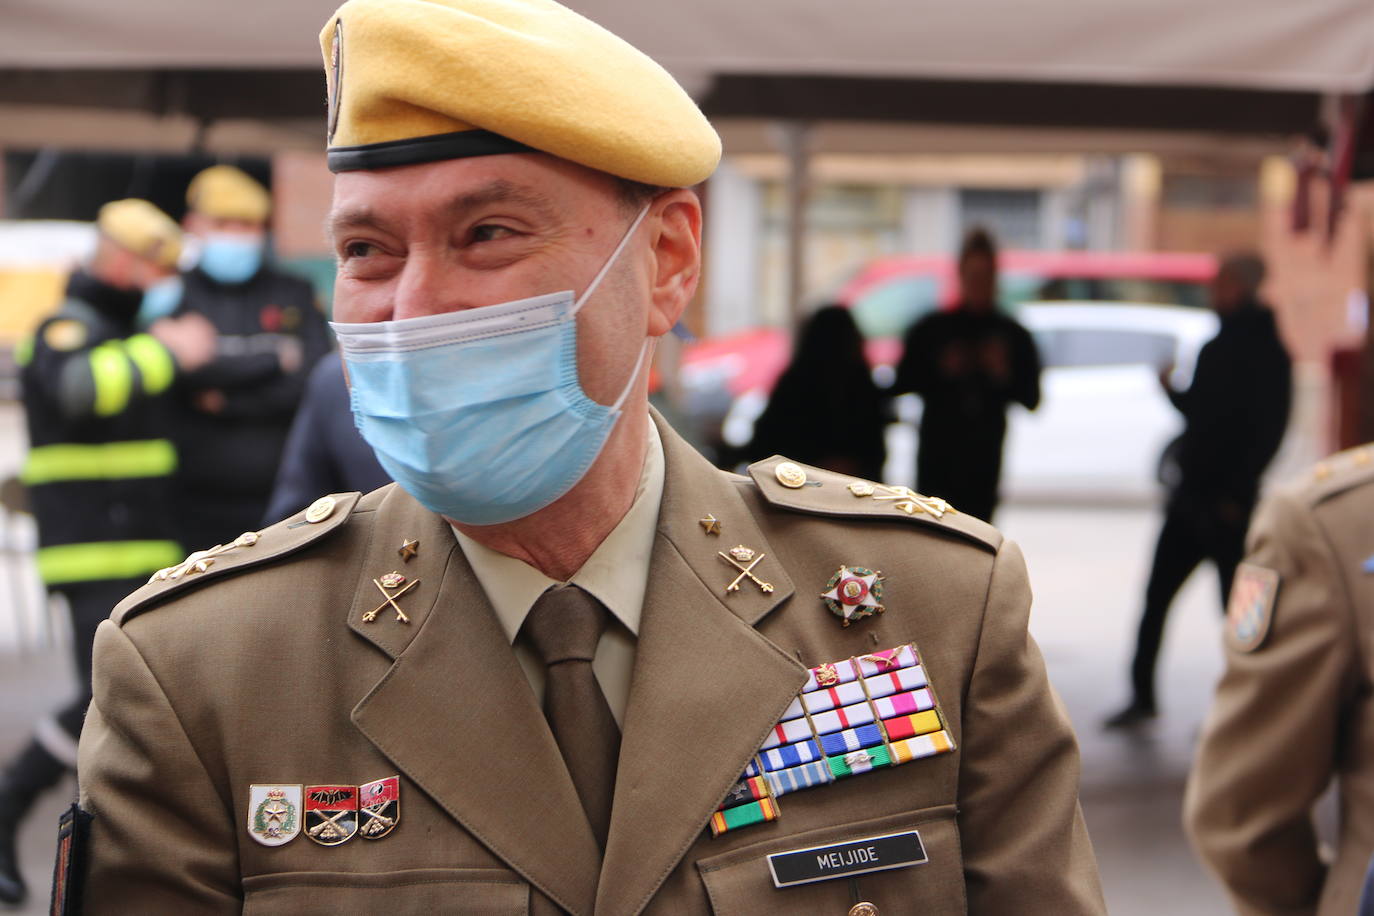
pixel 675 218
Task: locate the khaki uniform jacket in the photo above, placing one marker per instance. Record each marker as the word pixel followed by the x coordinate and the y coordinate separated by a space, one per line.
pixel 1295 711
pixel 261 670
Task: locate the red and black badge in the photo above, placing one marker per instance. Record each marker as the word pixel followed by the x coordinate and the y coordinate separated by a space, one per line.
pixel 381 807
pixel 331 814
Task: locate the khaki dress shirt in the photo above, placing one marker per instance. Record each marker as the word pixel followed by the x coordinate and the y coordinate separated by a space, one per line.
pixel 617 573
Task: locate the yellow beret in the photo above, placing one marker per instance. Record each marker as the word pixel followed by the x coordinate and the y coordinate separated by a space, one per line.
pixel 225 192
pixel 424 80
pixel 143 229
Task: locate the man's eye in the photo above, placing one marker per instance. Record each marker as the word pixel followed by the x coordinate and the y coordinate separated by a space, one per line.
pixel 491 233
pixel 359 249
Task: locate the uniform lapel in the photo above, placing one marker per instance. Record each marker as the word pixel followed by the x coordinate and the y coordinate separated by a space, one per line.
pixel 456 715
pixel 707 687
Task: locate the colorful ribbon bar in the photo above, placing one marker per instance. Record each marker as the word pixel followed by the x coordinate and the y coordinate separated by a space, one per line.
pixel 745 791
pixel 880 685
pixel 791 755
pixel 910 726
pixel 842 672
pixel 851 739
pixel 850 717
pixel 805 776
pixel 742 816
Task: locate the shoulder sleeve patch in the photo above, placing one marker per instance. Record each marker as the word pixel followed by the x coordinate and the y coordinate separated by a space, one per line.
pixel 252 548
pixel 1250 610
pixel 802 488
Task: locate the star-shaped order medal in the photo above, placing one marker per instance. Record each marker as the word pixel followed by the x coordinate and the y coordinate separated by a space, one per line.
pixel 854 593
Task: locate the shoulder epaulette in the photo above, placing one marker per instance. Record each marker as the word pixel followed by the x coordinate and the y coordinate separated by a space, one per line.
pixel 802 488
pixel 1339 473
pixel 252 548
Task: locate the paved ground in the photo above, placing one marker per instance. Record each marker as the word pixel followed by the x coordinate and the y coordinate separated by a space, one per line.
pixel 1088 567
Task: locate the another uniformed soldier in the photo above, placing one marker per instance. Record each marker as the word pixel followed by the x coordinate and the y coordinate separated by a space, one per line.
pixel 793 692
pixel 235 413
pixel 99 464
pixel 1294 711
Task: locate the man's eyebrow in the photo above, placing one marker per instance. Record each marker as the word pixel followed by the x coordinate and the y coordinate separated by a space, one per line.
pixel 496 192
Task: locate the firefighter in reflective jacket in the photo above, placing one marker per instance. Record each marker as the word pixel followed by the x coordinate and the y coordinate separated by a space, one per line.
pixel 99 463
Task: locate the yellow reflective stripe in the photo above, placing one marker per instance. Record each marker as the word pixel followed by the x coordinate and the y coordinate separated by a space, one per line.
pixel 153 361
pixel 23 352
pixel 114 379
pixel 108 560
pixel 104 461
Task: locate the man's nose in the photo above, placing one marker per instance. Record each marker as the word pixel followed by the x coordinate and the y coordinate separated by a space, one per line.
pixel 429 285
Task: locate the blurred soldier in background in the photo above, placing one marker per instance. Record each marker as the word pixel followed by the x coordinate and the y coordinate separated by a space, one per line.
pixel 1293 712
pixel 325 453
pixel 235 412
pixel 1234 413
pixel 825 409
pixel 99 465
pixel 968 365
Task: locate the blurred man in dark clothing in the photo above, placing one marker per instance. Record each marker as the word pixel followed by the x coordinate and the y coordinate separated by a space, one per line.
pixel 968 365
pixel 99 464
pixel 325 453
pixel 1234 415
pixel 825 410
pixel 235 413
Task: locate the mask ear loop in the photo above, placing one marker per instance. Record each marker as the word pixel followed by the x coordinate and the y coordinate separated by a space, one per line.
pixel 610 262
pixel 596 281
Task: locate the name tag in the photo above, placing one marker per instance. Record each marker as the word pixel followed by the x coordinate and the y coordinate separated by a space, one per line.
pixel 841 860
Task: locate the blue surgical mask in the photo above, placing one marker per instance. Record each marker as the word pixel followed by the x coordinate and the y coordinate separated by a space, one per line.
pixel 231 258
pixel 160 300
pixel 479 414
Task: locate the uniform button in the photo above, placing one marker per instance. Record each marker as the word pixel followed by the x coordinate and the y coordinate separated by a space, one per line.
pixel 790 475
pixel 320 509
pixel 863 909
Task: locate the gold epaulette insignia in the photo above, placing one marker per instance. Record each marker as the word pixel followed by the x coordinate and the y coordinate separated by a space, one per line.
pixel 202 560
pixel 904 499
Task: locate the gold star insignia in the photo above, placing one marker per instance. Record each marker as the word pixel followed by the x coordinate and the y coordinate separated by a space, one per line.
pixel 710 524
pixel 409 548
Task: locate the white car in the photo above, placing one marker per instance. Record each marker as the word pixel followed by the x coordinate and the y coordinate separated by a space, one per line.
pixel 1103 418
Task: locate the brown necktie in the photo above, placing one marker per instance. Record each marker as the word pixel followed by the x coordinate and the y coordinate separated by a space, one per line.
pixel 563 628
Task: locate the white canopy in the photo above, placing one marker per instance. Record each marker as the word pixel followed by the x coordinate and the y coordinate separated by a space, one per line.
pixel 1323 46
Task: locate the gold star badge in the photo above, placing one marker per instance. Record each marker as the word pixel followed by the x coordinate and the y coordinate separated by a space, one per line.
pixel 710 524
pixel 409 548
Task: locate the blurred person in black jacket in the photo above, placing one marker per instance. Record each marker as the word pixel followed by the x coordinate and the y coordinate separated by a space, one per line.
pixel 99 465
pixel 235 413
pixel 825 409
pixel 324 453
pixel 968 364
pixel 1234 413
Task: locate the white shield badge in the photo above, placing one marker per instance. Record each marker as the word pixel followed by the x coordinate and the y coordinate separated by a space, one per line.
pixel 274 814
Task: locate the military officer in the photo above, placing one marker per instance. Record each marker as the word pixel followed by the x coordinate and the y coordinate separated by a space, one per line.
pixel 1293 710
pixel 564 664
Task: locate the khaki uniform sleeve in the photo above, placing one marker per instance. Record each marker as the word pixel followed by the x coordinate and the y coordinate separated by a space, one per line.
pixel 1026 849
pixel 162 838
pixel 1267 751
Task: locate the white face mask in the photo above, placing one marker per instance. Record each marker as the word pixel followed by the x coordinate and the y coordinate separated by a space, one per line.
pixel 479 414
